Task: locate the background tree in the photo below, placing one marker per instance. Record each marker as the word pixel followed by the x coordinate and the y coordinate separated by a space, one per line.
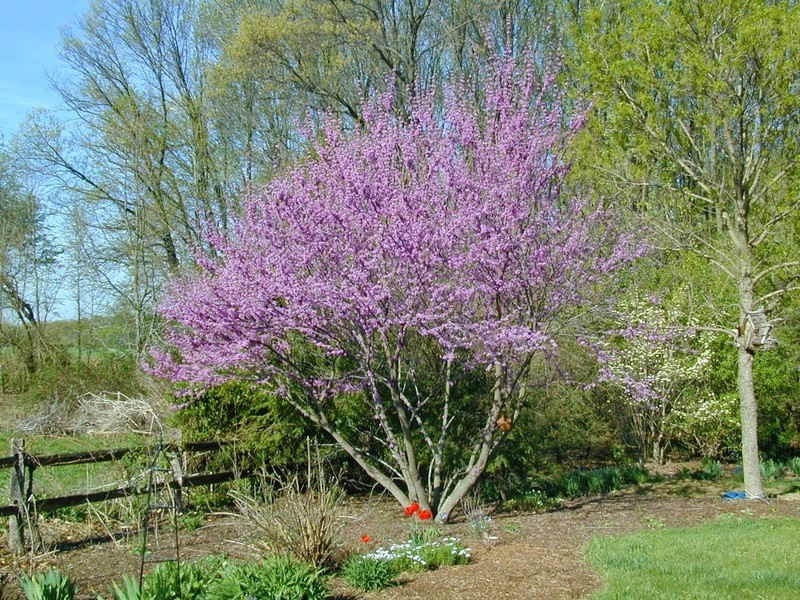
pixel 697 111
pixel 28 280
pixel 143 169
pixel 323 55
pixel 443 237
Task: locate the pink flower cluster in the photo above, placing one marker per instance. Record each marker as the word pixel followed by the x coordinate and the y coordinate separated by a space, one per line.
pixel 450 224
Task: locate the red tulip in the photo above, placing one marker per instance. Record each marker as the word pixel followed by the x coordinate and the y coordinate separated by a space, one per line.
pixel 366 539
pixel 414 508
pixel 424 514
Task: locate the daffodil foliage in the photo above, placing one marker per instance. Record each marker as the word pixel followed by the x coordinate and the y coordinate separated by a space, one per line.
pixel 439 243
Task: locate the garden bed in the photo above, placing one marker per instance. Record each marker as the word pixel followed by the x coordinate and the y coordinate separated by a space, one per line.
pixel 534 555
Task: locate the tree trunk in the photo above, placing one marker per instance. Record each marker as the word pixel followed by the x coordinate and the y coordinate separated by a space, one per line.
pixel 751 467
pixel 749 414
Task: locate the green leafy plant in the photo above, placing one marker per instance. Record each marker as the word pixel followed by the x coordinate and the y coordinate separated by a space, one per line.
pixel 634 475
pixel 424 535
pixel 771 469
pixel 129 591
pixel 573 487
pixel 595 481
pixel 708 471
pixel 423 554
pixel 444 552
pixel 192 522
pixel 171 581
pixel 51 585
pixel 367 573
pixel 276 578
pixel 533 500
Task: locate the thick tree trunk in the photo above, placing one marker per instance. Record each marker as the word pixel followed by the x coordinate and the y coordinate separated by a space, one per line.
pixel 749 414
pixel 751 467
pixel 481 455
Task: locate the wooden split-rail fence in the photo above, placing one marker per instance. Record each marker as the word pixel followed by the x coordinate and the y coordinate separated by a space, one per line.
pixel 24 507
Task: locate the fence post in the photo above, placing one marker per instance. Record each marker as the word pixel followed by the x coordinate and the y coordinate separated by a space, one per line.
pixel 16 523
pixel 177 478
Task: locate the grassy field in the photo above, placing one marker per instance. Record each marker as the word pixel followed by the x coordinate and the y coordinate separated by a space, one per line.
pixel 73 479
pixel 732 558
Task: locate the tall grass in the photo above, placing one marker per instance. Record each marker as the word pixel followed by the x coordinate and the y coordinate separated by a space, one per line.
pixel 731 558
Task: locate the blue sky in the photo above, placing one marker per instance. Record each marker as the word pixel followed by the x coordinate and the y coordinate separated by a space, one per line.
pixel 29 37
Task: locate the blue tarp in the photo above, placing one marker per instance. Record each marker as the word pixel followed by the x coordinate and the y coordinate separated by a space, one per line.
pixel 734 495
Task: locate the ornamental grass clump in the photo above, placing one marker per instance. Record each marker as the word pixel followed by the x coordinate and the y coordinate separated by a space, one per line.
pixel 299 519
pixel 480 522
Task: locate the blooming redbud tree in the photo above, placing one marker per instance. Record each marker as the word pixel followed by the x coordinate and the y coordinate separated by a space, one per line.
pixel 653 356
pixel 447 229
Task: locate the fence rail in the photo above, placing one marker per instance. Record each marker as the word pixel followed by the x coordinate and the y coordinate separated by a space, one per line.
pixel 24 506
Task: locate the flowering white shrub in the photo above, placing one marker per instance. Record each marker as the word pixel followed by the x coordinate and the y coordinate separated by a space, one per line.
pixel 707 424
pixel 652 356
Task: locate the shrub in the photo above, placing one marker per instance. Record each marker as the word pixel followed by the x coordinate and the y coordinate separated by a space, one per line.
pixel 707 424
pixel 267 428
pixel 368 573
pixel 793 464
pixel 51 585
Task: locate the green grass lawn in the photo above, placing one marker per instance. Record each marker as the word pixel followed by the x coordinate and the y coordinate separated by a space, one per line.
pixel 732 558
pixel 74 479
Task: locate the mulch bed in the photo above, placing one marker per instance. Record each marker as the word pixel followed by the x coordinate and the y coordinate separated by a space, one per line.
pixel 534 555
